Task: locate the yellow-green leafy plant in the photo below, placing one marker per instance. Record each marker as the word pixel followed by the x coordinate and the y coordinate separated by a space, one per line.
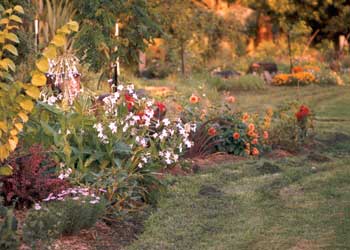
pixel 17 98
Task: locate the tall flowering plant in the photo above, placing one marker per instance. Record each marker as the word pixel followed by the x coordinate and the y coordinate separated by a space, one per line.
pixel 114 142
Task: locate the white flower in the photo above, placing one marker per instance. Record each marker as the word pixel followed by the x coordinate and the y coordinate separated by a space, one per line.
pixel 188 127
pixel 188 143
pixel 180 148
pixel 51 100
pixel 94 201
pixel 143 142
pixel 140 165
pixel 168 161
pixel 68 132
pixel 125 128
pixel 113 127
pixel 155 135
pixel 167 154
pixel 166 122
pixel 130 88
pixel 120 87
pixel 37 206
pixel 150 103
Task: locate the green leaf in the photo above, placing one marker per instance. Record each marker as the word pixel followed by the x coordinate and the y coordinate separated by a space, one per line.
pixel 12 37
pixel 43 65
pixel 48 130
pixel 16 19
pixel 6 170
pixel 73 25
pixel 50 52
pixel 4 65
pixel 33 92
pixel 10 64
pixel 38 79
pixel 19 9
pixel 59 40
pixel 4 21
pixel 12 49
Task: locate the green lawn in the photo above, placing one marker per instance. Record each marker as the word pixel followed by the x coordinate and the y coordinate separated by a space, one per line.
pixel 295 203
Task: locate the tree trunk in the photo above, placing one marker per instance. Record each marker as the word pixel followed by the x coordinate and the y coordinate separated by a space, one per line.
pixel 264 28
pixel 182 51
pixel 290 51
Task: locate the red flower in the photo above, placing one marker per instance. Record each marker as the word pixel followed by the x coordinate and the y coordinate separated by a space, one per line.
pixel 236 136
pixel 212 131
pixel 130 101
pixel 303 112
pixel 129 98
pixel 161 106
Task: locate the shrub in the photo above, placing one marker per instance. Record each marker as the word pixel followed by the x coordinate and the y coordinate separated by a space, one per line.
pixel 328 77
pixel 292 126
pixel 129 138
pixel 8 229
pixel 66 217
pixel 33 178
pixel 246 82
pixel 306 75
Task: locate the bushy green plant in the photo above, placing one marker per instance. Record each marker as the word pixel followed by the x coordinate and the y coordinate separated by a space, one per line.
pixel 246 82
pixel 327 77
pixel 8 229
pixel 292 126
pixel 117 143
pixel 46 222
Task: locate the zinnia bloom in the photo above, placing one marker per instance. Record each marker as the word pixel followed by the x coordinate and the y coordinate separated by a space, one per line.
pixel 245 117
pixel 266 135
pixel 236 136
pixel 251 133
pixel 251 127
pixel 212 131
pixel 179 108
pixel 302 113
pixel 255 141
pixel 194 99
pixel 161 106
pixel 255 151
pixel 230 99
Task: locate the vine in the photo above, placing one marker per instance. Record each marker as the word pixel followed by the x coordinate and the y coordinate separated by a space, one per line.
pixel 17 99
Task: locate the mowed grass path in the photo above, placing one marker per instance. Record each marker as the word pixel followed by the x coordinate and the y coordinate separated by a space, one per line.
pixel 295 203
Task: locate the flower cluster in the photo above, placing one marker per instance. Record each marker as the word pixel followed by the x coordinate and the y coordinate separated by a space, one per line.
pixel 303 113
pixel 299 77
pixel 141 122
pixel 76 193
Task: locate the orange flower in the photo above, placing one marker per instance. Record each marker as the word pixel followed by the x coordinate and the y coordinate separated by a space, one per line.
pixel 255 141
pixel 266 135
pixel 245 117
pixel 212 131
pixel 251 133
pixel 255 151
pixel 230 99
pixel 236 136
pixel 251 127
pixel 179 108
pixel 194 99
pixel 297 69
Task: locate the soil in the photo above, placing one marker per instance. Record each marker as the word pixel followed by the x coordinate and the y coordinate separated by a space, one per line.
pixel 209 191
pixel 102 236
pixel 268 168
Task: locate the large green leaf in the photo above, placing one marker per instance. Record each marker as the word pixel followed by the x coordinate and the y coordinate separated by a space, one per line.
pixel 6 170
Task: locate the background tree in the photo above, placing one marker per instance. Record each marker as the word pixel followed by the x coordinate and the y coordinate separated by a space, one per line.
pixel 96 43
